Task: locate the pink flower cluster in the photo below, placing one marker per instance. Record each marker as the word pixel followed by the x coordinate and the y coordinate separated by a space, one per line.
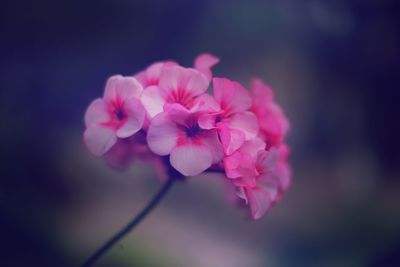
pixel 165 111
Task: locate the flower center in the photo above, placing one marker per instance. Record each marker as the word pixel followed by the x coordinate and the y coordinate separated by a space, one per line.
pixel 192 131
pixel 119 113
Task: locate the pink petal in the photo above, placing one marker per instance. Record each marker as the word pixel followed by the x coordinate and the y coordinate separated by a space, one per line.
pixel 231 139
pixel 259 201
pixel 122 88
pixel 262 93
pixel 96 113
pixel 178 113
pixel 135 118
pixel 231 165
pixel 191 159
pixel 270 183
pixel 252 147
pixel 207 121
pixel 242 162
pixel 99 139
pixel 241 194
pixel 232 96
pixel 151 75
pixel 268 160
pixel 162 134
pixel 153 100
pixel 204 63
pixel 284 173
pixel 210 139
pixel 188 82
pixel 246 122
pixel 197 83
pixel 206 103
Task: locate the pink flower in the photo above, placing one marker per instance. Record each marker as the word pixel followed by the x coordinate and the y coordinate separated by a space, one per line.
pixel 273 122
pixel 262 194
pixel 176 85
pixel 164 117
pixel 119 114
pixel 204 63
pixel 234 122
pixel 241 163
pixel 260 176
pixel 176 133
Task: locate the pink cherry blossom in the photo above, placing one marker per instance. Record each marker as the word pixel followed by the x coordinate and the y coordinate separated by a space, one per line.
pixel 234 122
pixel 119 114
pixel 273 122
pixel 176 133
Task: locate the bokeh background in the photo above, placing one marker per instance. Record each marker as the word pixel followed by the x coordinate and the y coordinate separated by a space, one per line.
pixel 334 66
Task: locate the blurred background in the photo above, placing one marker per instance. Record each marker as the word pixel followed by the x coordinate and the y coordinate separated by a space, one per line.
pixel 334 66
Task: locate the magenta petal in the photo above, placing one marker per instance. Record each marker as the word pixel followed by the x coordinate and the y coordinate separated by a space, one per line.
pixel 206 103
pixel 231 165
pixel 207 121
pixel 162 134
pixel 246 122
pixel 259 201
pixel 178 113
pixel 268 160
pixel 231 139
pixel 252 147
pixel 99 139
pixel 191 159
pixel 177 78
pixel 135 118
pixel 204 63
pixel 96 112
pixel 153 100
pixel 240 192
pixel 151 75
pixel 270 184
pixel 211 140
pixel 232 96
pixel 119 87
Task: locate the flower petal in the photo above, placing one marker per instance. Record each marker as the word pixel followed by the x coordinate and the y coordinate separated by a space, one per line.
pixel 191 159
pixel 153 100
pixel 210 139
pixel 96 112
pixel 246 122
pixel 135 118
pixel 259 201
pixel 207 121
pixel 122 88
pixel 231 139
pixel 99 139
pixel 204 63
pixel 188 82
pixel 162 134
pixel 151 75
pixel 231 95
pixel 205 103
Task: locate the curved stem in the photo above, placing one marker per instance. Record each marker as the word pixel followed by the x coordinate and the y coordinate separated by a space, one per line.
pixel 135 221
